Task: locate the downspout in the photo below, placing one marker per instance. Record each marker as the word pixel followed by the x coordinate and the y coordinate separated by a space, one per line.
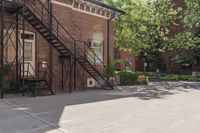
pixel 50 10
pixel 51 49
pixel 108 37
pixel 1 46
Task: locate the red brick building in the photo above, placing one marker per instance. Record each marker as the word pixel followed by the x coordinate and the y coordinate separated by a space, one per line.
pixel 128 61
pixel 137 64
pixel 71 40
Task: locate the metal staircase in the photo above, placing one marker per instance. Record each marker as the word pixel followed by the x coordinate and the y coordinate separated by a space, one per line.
pixel 44 22
pixel 35 82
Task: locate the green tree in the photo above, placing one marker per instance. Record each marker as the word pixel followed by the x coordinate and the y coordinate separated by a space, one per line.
pixel 188 41
pixel 146 27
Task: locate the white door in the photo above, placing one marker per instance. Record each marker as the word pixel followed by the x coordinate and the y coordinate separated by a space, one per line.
pixel 29 53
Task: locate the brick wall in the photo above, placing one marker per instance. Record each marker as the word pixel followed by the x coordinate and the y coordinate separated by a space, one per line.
pixel 82 27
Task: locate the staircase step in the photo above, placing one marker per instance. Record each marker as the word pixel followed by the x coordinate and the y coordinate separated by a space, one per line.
pixel 28 15
pixel 26 12
pixel 48 36
pixel 37 26
pixel 63 51
pixel 54 42
pixel 31 19
pixel 57 45
pixel 35 23
pixel 44 32
pixel 61 47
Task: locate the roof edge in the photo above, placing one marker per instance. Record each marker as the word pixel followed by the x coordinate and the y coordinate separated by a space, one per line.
pixel 106 6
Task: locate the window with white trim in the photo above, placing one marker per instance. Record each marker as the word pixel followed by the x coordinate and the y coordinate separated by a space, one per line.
pixel 10 46
pixel 97 47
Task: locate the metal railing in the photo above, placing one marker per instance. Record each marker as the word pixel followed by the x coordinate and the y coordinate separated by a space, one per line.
pixel 79 49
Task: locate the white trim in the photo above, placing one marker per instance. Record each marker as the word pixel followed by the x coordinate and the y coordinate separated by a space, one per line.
pixel 83 11
pixel 33 62
pixel 89 13
pixel 93 82
pixel 62 4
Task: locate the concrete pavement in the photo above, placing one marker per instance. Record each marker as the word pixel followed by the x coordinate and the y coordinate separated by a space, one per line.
pixel 170 107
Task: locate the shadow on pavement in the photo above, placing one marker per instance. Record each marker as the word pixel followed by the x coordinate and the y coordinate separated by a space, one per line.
pixel 48 111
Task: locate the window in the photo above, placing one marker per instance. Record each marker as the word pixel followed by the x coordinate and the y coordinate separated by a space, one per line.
pixel 28 51
pixel 186 66
pixel 10 46
pixel 27 36
pixel 128 64
pixel 97 56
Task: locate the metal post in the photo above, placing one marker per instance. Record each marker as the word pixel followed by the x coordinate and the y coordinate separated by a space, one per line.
pixel 23 44
pixel 108 38
pixel 84 58
pixel 2 43
pixel 75 65
pixel 62 69
pixel 70 75
pixel 17 47
pixel 51 48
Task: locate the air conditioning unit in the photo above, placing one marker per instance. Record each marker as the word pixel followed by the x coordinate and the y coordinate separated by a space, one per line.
pixel 90 44
pixel 91 83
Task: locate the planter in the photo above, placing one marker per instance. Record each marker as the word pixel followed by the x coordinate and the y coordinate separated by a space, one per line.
pixel 142 79
pixel 116 80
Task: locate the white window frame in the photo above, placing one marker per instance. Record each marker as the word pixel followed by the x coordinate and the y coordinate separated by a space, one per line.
pixel 99 54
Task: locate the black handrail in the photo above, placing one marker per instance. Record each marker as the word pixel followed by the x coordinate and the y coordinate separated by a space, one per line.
pixel 28 73
pixel 47 67
pixel 95 56
pixel 63 38
pixel 45 21
pixel 60 32
pixel 56 20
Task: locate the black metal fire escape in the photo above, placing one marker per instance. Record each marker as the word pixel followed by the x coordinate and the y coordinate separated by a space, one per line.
pixel 37 15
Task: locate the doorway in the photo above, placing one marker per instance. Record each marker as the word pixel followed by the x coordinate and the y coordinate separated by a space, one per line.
pixel 29 52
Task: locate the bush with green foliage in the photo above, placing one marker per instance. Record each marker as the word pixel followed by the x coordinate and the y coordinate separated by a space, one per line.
pixel 171 77
pixel 110 71
pixel 129 78
pixel 3 72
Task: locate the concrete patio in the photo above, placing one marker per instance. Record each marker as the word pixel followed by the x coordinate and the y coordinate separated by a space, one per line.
pixel 168 107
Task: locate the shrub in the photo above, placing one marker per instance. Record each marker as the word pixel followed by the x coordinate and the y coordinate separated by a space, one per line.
pixel 128 78
pixel 110 71
pixel 172 77
pixel 5 70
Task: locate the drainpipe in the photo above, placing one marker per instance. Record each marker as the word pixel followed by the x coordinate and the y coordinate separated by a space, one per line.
pixel 1 46
pixel 51 49
pixel 50 9
pixel 108 37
